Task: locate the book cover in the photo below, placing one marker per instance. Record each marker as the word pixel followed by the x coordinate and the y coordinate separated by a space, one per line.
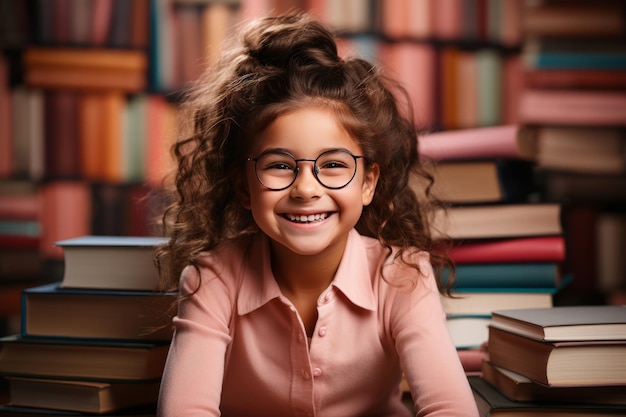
pixel 524 249
pixel 491 402
pixel 110 262
pixel 80 395
pixel 52 311
pixel 102 361
pixel 563 323
pixel 574 78
pixel 504 141
pixel 570 363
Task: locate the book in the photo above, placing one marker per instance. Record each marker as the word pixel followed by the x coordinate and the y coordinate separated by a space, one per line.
pixel 110 262
pixel 517 387
pixel 523 249
pixel 62 358
pixel 569 363
pixel 480 181
pixel 573 107
pixel 468 332
pixel 492 403
pixel 577 187
pixel 15 411
pixel 499 221
pixel 502 277
pixel 585 54
pixel 52 311
pixel 505 142
pixel 563 323
pixel 483 303
pixel 581 149
pixel 576 19
pixel 81 396
pixel 85 68
pixel 574 78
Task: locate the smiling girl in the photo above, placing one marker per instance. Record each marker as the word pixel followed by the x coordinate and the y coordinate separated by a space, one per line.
pixel 301 251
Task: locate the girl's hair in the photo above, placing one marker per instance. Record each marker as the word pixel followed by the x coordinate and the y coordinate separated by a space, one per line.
pixel 279 64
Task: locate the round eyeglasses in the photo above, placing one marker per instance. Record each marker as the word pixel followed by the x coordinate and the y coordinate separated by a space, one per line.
pixel 277 169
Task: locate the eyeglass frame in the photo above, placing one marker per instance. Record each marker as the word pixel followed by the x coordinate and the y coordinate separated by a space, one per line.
pixel 296 171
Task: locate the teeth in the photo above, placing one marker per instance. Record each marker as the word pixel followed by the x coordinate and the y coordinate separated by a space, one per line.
pixel 306 219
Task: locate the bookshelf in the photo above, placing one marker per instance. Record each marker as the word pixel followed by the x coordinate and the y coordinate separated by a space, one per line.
pixel 466 63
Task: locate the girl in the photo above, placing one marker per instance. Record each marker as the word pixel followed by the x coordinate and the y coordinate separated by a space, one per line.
pixel 304 257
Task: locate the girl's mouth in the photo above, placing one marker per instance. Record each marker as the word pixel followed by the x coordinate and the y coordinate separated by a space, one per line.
pixel 311 218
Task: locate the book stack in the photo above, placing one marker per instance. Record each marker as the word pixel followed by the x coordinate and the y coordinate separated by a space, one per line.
pixel 568 360
pixel 95 342
pixel 574 71
pixel 508 247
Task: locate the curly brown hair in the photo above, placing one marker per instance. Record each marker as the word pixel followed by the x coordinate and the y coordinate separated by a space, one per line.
pixel 278 64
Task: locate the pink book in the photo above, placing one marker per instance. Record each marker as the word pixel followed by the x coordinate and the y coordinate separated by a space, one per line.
pixel 506 141
pixel 413 65
pixel 531 249
pixel 447 18
pixel 65 213
pixel 573 107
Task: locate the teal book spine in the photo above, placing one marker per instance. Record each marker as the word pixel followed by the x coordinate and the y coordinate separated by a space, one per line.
pixel 527 277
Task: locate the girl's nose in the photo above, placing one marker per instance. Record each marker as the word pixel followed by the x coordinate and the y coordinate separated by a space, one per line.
pixel 306 186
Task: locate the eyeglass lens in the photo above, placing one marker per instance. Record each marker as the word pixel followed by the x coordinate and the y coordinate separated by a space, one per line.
pixel 333 169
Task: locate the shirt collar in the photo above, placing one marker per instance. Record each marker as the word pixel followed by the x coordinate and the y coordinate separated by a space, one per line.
pixel 354 277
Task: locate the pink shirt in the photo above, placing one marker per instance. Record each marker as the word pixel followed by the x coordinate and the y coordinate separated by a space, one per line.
pixel 241 349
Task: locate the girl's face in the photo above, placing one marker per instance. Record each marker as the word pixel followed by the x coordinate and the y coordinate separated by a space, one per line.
pixel 307 218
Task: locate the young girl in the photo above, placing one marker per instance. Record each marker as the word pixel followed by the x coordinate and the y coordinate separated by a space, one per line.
pixel 307 287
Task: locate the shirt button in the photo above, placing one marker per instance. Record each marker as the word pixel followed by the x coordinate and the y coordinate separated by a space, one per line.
pixel 322 331
pixel 317 372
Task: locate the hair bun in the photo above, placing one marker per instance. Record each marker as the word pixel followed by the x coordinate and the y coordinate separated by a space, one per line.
pixel 290 42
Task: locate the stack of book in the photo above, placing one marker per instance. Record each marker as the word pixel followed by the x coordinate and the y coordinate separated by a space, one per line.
pixel 574 71
pixel 508 245
pixel 568 360
pixel 95 342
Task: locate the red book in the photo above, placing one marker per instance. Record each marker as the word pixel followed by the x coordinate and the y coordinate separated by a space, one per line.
pixel 573 107
pixel 61 134
pixel 6 141
pixel 506 141
pixel 530 249
pixel 574 78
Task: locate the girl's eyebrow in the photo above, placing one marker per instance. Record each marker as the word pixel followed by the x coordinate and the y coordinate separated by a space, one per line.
pixel 288 152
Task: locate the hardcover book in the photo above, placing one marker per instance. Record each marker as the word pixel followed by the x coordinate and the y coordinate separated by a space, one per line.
pixel 572 363
pixel 51 311
pixel 110 262
pixel 563 323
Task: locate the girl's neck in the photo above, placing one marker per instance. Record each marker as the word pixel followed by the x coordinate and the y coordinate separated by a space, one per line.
pixel 303 274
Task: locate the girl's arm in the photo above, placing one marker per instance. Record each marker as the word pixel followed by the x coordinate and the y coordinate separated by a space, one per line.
pixel 192 379
pixel 428 356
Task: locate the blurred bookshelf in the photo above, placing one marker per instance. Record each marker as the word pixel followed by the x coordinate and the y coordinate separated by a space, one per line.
pixel 89 92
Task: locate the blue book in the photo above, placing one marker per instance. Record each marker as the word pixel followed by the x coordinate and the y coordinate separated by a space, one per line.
pixel 505 277
pixel 52 311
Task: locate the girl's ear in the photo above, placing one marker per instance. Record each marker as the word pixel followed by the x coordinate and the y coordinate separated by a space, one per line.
pixel 369 184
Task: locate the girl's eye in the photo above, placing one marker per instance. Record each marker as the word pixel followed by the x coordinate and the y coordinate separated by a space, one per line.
pixel 333 164
pixel 280 166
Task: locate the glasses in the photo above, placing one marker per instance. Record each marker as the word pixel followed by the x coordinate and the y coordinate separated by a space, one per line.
pixel 276 170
